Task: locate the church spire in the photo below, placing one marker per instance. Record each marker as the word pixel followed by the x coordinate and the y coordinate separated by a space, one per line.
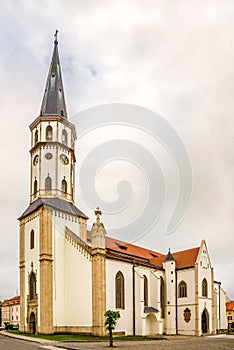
pixel 54 101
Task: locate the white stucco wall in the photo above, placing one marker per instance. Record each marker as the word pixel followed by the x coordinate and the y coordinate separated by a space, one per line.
pixel 145 323
pixel 72 278
pixel 220 306
pixel 188 276
pixel 125 323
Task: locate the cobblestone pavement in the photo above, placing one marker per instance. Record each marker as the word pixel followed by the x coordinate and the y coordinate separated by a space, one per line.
pixel 207 343
pixel 172 343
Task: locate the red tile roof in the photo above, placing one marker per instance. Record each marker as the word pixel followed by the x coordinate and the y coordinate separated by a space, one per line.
pixel 120 249
pixel 230 306
pixel 12 301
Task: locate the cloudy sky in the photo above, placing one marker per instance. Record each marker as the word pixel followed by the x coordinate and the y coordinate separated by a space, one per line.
pixel 173 57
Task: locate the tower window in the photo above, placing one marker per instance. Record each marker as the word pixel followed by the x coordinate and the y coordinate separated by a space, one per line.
pixel 64 137
pixel 48 183
pixel 64 186
pixel 119 290
pixel 32 286
pixel 32 240
pixel 204 288
pixel 36 137
pixel 145 291
pixel 35 186
pixel 49 133
pixel 182 290
pixel 62 114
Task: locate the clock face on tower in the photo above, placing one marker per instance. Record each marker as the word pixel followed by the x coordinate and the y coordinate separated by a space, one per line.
pixel 64 160
pixel 35 160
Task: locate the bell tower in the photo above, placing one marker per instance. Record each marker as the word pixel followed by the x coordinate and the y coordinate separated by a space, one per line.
pixel 44 244
pixel 52 141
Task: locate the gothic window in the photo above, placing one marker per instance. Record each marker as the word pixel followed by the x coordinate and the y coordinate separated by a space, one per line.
pixel 48 183
pixel 32 240
pixel 182 290
pixel 119 290
pixel 32 286
pixel 49 133
pixel 64 186
pixel 145 291
pixel 204 288
pixel 35 186
pixel 36 136
pixel 162 297
pixel 64 136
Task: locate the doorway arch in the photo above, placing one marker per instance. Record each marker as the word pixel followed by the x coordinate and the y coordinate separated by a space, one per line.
pixel 205 321
pixel 32 323
pixel 151 323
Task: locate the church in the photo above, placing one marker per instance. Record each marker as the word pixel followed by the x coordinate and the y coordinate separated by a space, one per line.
pixel 70 276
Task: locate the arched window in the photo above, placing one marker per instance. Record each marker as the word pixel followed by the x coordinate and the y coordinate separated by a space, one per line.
pixel 64 136
pixel 49 133
pixel 64 186
pixel 182 290
pixel 162 297
pixel 145 291
pixel 36 136
pixel 119 290
pixel 32 286
pixel 32 240
pixel 204 288
pixel 35 186
pixel 48 183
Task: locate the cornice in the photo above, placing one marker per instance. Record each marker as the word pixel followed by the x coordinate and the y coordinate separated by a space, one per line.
pixel 53 118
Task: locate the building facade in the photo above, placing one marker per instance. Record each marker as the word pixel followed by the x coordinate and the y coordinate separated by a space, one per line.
pixel 69 277
pixel 230 314
pixel 11 311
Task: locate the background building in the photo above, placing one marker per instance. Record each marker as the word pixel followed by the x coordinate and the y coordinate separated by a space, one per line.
pixel 230 313
pixel 11 311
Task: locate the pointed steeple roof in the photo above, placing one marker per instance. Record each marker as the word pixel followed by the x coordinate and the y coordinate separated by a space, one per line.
pixel 169 256
pixel 54 101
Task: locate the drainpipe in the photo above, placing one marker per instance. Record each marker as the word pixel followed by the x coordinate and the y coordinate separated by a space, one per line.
pixel 133 300
pixel 176 306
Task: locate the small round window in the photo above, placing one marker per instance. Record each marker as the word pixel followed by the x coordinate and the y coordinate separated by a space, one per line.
pixel 48 156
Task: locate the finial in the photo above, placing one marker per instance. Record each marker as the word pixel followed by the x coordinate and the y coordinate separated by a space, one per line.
pixel 98 213
pixel 169 250
pixel 55 37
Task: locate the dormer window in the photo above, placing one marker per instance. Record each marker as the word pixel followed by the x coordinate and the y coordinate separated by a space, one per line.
pixel 49 133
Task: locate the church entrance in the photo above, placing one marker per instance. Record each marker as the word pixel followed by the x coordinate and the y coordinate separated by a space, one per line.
pixel 151 324
pixel 204 320
pixel 32 323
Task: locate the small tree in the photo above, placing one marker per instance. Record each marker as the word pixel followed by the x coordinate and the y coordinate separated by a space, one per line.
pixel 110 323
